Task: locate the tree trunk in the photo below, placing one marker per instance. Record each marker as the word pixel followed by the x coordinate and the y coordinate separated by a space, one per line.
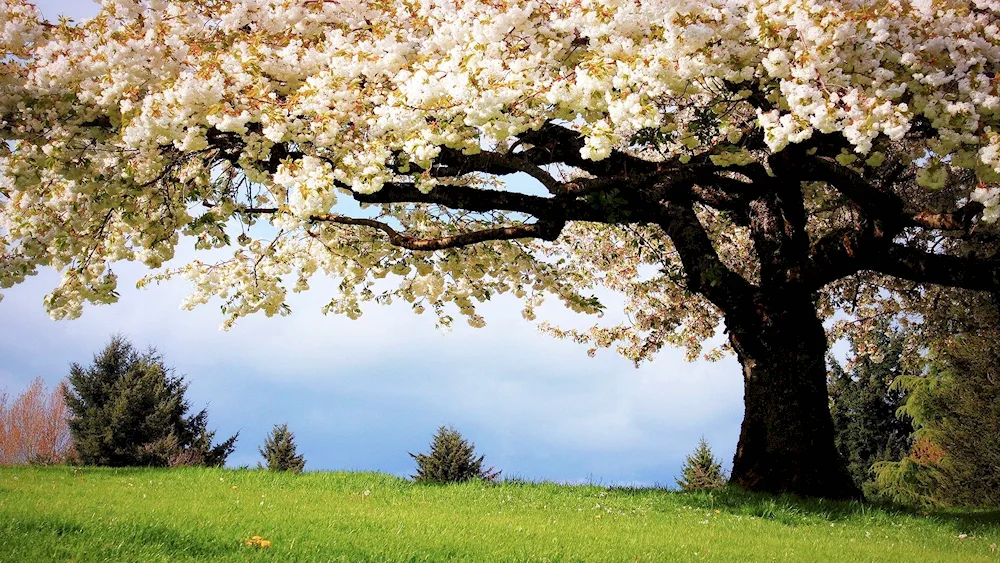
pixel 787 439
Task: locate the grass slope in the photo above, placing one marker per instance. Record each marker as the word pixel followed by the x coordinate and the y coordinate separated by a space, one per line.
pixel 60 514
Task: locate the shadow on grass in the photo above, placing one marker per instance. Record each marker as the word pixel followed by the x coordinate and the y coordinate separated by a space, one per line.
pixel 164 539
pixel 794 510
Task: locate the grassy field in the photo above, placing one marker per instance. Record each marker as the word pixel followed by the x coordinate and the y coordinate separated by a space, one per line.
pixel 62 514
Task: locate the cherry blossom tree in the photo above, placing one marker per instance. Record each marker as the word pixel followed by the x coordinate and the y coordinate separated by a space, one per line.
pixel 755 165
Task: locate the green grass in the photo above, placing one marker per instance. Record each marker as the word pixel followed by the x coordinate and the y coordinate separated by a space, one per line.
pixel 62 514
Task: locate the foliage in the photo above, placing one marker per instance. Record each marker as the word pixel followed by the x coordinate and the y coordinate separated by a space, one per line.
pixel 279 450
pixel 967 427
pixel 701 470
pixel 956 408
pixel 914 480
pixel 33 428
pixel 128 409
pixel 52 514
pixel 863 405
pixel 452 459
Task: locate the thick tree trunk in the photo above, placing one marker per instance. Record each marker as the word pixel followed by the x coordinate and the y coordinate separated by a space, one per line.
pixel 787 442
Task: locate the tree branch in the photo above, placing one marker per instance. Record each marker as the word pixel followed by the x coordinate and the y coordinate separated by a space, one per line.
pixel 882 216
pixel 840 253
pixel 479 200
pixel 497 164
pixel 704 271
pixel 545 230
pixel 554 143
pixel 955 271
pixel 883 206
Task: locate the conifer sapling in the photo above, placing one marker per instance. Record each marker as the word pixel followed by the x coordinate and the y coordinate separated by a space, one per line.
pixel 279 451
pixel 452 459
pixel 701 470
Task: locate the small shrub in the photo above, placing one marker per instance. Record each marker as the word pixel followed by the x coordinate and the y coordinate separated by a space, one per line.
pixel 34 429
pixel 279 451
pixel 701 470
pixel 452 459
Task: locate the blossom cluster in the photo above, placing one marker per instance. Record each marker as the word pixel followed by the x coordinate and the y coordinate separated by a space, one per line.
pixel 159 117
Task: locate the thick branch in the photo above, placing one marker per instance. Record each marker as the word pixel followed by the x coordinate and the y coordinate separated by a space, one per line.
pixel 704 271
pixel 497 164
pixel 554 143
pixel 479 200
pixel 722 200
pixel 881 216
pixel 883 206
pixel 878 205
pixel 851 250
pixel 942 269
pixel 841 253
pixel 545 230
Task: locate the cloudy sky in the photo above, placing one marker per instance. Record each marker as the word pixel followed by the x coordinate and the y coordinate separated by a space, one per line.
pixel 361 394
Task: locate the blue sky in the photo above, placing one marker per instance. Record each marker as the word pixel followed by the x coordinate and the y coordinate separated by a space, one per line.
pixel 361 394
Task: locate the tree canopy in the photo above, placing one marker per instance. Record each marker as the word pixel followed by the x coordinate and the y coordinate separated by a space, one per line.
pixel 161 118
pixel 757 163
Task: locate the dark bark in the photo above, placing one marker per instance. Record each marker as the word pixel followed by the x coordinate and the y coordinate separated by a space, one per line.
pixel 787 439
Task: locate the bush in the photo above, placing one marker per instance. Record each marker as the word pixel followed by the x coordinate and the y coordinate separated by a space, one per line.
pixel 34 428
pixel 128 409
pixel 451 460
pixel 701 470
pixel 279 451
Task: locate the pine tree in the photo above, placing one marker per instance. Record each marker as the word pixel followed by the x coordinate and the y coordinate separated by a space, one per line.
pixel 128 409
pixel 953 403
pixel 863 404
pixel 279 451
pixel 968 425
pixel 452 459
pixel 955 407
pixel 701 470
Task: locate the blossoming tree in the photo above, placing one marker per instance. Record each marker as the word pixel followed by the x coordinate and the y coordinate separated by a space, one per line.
pixel 752 164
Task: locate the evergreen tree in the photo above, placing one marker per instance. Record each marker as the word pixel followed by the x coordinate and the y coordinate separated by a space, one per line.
pixel 128 409
pixel 863 404
pixel 968 421
pixel 701 470
pixel 452 459
pixel 279 451
pixel 954 405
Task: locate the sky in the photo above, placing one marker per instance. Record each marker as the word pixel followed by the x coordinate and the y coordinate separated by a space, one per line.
pixel 361 394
